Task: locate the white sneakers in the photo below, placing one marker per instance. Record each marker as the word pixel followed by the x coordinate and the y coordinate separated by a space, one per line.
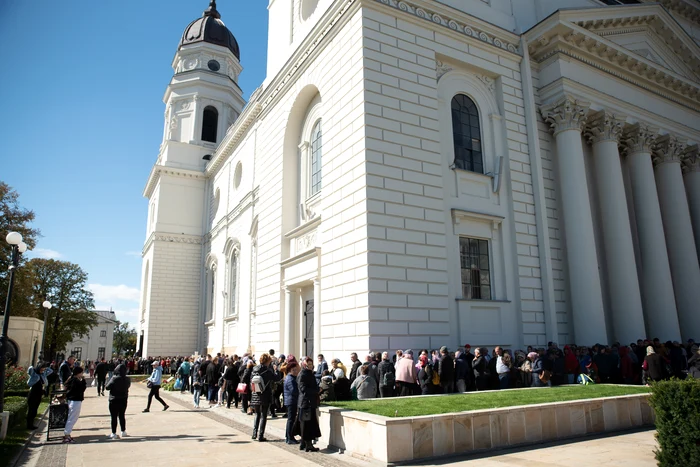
pixel 113 436
pixel 124 435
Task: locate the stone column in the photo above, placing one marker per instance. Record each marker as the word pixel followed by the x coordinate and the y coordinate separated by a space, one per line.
pixel 691 177
pixel 625 296
pixel 567 118
pixel 655 280
pixel 288 327
pixel 317 317
pixel 678 228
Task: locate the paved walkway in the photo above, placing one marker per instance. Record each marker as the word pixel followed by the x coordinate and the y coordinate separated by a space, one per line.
pixel 183 437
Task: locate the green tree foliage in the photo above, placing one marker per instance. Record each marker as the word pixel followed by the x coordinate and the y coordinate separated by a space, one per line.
pixel 677 408
pixel 124 339
pixel 13 218
pixel 64 284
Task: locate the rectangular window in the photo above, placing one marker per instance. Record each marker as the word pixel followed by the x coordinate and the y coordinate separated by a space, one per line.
pixel 77 353
pixel 475 267
pixel 100 352
pixel 103 333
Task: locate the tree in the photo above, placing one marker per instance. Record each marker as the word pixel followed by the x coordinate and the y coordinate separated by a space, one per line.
pixel 13 218
pixel 64 285
pixel 124 338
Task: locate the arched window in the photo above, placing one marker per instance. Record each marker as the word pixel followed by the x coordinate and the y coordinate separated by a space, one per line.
pixel 466 132
pixel 316 152
pixel 211 291
pixel 233 284
pixel 210 121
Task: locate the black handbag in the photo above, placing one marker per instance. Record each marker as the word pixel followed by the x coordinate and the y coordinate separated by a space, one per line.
pixel 149 384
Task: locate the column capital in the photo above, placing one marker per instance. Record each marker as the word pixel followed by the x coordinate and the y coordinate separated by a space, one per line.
pixel 668 149
pixel 568 113
pixel 639 137
pixel 604 126
pixel 691 159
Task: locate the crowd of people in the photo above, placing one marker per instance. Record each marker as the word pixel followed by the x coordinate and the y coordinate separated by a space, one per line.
pixel 273 385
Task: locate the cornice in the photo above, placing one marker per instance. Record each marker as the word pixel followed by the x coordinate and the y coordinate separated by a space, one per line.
pixel 171 238
pixel 476 29
pixel 683 47
pixel 685 8
pixel 159 170
pixel 234 135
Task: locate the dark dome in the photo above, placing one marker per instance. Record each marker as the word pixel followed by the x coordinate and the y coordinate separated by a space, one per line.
pixel 209 28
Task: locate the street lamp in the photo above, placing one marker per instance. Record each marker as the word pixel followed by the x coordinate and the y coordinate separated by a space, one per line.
pixel 47 306
pixel 18 247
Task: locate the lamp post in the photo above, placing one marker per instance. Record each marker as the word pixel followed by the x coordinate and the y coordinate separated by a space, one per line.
pixel 47 306
pixel 18 247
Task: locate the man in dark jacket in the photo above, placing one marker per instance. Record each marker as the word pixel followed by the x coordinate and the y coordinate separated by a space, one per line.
pixel 65 371
pixel 118 387
pixel 356 364
pixel 479 368
pixel 446 370
pixel 212 380
pixel 387 376
pixel 101 375
pixel 461 369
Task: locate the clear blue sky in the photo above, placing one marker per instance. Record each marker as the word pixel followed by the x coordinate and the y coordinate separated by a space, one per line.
pixel 81 84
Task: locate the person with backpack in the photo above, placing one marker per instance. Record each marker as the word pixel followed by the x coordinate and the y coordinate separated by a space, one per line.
pixel 75 387
pixel 261 395
pixel 387 376
pixel 184 373
pixel 65 371
pixel 118 387
pixel 540 376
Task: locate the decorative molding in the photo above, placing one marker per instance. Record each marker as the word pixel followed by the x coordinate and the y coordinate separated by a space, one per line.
pixel 682 7
pixel 489 82
pixel 668 149
pixel 173 238
pixel 306 241
pixel 568 113
pixel 460 27
pixel 639 138
pixel 442 69
pixel 691 159
pixel 159 170
pixel 644 23
pixel 247 201
pixel 604 126
pixel 459 214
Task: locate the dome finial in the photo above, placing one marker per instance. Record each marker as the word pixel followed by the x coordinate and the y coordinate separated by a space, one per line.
pixel 212 11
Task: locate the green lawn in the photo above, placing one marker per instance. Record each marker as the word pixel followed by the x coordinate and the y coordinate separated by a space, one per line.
pixel 413 407
pixel 16 438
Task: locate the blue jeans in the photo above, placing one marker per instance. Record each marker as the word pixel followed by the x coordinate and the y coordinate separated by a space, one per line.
pixel 291 418
pixel 504 380
pixel 197 394
pixel 213 392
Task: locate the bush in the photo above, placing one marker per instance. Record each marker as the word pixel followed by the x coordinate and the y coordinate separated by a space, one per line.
pixel 16 378
pixel 23 393
pixel 168 386
pixel 677 407
pixel 17 406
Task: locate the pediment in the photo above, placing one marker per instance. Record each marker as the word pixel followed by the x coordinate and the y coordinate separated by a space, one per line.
pixel 655 37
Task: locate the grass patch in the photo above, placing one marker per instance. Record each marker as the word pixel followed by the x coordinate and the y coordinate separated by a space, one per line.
pixel 16 438
pixel 414 407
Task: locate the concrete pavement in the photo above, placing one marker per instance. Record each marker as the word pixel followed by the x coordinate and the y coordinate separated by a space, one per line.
pixel 186 437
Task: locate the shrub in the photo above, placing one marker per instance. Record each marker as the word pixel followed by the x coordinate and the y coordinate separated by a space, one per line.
pixel 677 407
pixel 17 406
pixel 16 378
pixel 168 386
pixel 18 393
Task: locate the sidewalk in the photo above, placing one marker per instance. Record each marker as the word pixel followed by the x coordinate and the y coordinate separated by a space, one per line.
pixel 177 437
pixel 183 436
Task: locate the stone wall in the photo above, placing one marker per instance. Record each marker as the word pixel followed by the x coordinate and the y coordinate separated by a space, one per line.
pixel 405 439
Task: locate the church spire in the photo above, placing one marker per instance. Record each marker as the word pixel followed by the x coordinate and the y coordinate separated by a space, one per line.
pixel 212 11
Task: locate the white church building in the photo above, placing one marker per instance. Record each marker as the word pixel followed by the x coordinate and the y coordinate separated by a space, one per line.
pixel 418 173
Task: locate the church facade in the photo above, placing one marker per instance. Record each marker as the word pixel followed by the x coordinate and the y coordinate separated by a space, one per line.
pixel 420 173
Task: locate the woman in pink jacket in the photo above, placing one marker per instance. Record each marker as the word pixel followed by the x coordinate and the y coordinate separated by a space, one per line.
pixel 406 374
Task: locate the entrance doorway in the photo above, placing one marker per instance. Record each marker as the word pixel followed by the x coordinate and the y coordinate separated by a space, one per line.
pixel 309 328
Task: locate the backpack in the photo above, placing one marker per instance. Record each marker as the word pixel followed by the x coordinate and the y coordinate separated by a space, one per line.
pixel 257 383
pixel 584 379
pixel 388 379
pixel 436 378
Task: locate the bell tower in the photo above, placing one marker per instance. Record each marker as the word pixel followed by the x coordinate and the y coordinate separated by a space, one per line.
pixel 202 101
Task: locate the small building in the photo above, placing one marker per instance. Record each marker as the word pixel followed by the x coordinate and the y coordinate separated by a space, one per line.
pixel 98 342
pixel 24 340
